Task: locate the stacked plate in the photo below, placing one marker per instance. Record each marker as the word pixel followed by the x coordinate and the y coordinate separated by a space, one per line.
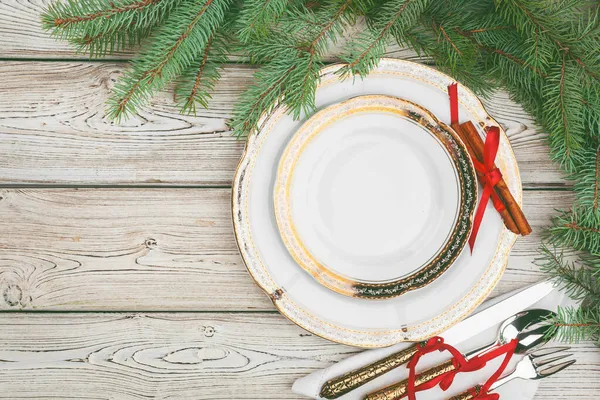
pixel 354 220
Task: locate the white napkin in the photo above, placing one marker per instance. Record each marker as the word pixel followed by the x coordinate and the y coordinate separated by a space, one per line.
pixel 310 385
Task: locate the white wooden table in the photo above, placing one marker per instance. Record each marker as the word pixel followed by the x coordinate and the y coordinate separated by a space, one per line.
pixel 119 273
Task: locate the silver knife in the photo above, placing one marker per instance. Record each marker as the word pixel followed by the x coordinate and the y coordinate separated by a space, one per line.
pixel 467 328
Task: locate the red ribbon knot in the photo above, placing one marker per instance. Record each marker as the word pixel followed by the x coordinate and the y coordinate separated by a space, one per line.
pixel 491 177
pixel 461 364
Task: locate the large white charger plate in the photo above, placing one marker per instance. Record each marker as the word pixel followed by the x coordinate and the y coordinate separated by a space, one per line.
pixel 413 316
pixel 375 196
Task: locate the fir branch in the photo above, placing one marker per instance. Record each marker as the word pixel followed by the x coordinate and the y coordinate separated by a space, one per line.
pixel 260 98
pixel 292 72
pixel 577 279
pixel 101 26
pixel 578 228
pixel 587 180
pixel 197 81
pixel 114 9
pixel 391 19
pixel 576 324
pixel 184 35
pixel 497 51
pixel 257 17
pixel 565 101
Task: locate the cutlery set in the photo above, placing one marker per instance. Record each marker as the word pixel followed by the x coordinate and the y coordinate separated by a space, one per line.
pixel 529 328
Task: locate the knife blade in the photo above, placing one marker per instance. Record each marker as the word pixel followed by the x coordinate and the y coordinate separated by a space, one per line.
pixel 469 327
pixel 496 313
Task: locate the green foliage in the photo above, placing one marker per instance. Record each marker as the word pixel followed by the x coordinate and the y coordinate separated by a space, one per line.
pixel 587 179
pixel 294 54
pixel 576 324
pixel 579 279
pixel 544 53
pixel 101 26
pixel 197 81
pixel 578 228
pixel 258 17
pixel 175 46
pixel 388 19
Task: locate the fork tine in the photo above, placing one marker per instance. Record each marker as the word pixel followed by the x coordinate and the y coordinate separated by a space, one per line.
pixel 540 363
pixel 546 351
pixel 554 369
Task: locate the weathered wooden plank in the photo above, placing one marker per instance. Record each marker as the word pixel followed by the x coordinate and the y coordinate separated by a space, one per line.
pixel 188 356
pixel 23 36
pixel 53 131
pixel 155 249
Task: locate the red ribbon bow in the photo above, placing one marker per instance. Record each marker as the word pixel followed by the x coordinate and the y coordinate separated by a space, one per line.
pixel 491 175
pixel 461 364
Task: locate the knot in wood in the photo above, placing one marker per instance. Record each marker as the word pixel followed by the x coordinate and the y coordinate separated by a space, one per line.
pixel 150 243
pixel 13 295
pixel 209 331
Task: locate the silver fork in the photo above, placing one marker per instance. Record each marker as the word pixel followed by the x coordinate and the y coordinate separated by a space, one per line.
pixel 535 365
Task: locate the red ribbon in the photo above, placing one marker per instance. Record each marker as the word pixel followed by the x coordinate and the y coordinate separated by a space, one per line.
pixel 491 175
pixel 453 93
pixel 461 364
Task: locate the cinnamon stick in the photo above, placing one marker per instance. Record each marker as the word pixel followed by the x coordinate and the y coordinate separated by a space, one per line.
pixel 509 222
pixel 477 144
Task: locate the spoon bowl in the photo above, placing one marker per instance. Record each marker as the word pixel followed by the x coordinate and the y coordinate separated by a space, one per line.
pixel 529 327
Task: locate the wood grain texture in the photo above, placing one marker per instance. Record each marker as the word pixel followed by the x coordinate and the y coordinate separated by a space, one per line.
pixel 53 131
pixel 155 249
pixel 188 356
pixel 23 37
pixel 140 249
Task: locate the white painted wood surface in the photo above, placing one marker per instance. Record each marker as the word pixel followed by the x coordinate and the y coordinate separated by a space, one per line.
pixel 186 356
pixel 156 249
pixel 164 308
pixel 59 107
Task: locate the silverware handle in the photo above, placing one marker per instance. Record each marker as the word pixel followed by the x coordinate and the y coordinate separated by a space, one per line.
pixel 398 390
pixel 468 394
pixel 339 386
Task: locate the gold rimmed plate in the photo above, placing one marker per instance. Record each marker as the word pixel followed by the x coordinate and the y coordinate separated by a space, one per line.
pixel 374 197
pixel 417 314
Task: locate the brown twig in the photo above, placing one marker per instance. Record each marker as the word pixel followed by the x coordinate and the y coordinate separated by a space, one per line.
pixel 61 22
pixel 596 183
pixel 449 40
pixel 194 91
pixel 576 227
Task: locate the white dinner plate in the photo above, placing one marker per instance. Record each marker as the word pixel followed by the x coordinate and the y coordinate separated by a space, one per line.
pixel 374 197
pixel 414 316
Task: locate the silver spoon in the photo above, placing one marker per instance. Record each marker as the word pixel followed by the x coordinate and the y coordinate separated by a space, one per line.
pixel 529 327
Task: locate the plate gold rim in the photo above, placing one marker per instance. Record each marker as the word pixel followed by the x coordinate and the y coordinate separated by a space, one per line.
pixel 367 339
pixel 443 257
